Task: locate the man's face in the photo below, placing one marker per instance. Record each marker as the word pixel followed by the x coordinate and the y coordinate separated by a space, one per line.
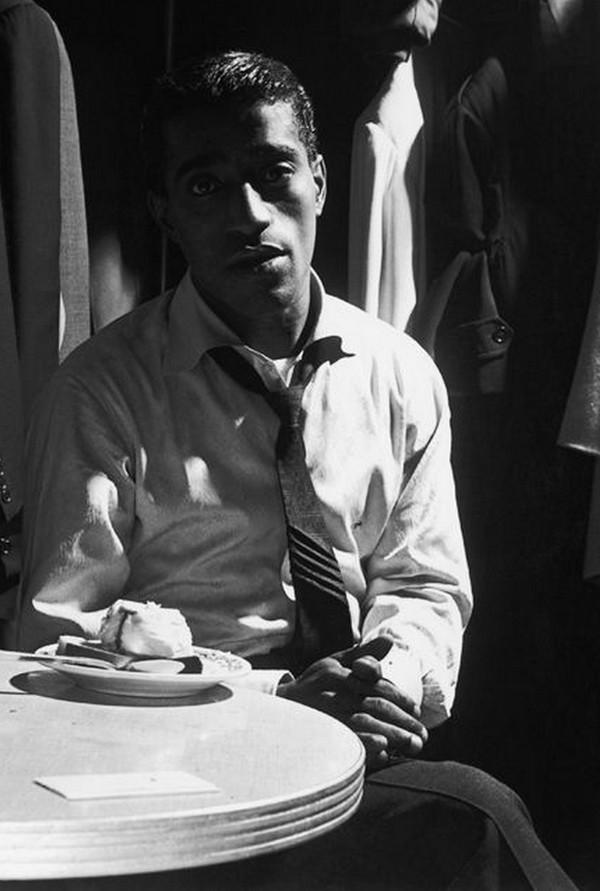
pixel 241 200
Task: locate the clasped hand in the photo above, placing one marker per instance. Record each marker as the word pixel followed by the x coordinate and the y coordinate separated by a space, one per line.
pixel 349 686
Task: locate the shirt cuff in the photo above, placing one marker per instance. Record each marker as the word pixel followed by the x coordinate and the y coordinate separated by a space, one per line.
pixel 263 680
pixel 403 670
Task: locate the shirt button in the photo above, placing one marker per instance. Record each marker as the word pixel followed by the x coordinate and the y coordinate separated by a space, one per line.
pixel 5 546
pixel 500 334
pixel 5 494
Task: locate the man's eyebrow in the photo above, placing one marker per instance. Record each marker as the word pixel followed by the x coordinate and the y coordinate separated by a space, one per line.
pixel 273 151
pixel 276 150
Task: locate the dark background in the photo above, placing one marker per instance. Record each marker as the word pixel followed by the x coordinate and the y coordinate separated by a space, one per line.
pixel 527 707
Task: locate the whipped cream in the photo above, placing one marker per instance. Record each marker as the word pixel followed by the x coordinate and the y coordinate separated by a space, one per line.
pixel 145 629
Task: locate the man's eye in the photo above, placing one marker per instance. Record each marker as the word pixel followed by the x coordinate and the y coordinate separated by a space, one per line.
pixel 203 187
pixel 278 173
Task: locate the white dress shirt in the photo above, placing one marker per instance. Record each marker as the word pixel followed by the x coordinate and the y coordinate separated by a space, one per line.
pixel 152 475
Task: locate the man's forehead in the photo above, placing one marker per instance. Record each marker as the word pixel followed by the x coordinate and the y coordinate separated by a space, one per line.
pixel 256 128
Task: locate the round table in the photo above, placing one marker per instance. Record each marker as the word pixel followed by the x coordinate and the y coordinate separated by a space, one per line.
pixel 284 774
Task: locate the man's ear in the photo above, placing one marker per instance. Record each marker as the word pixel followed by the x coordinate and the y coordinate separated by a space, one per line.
pixel 157 205
pixel 319 172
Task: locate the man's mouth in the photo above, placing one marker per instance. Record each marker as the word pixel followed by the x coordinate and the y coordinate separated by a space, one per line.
pixel 255 256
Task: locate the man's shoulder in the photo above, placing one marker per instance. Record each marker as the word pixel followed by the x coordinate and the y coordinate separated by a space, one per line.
pixel 386 356
pixel 115 372
pixel 372 335
pixel 138 336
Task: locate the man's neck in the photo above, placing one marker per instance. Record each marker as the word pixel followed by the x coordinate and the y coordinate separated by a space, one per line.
pixel 273 340
pixel 278 334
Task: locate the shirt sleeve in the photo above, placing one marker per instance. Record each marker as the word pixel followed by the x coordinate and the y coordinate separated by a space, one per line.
pixel 263 680
pixel 78 515
pixel 418 582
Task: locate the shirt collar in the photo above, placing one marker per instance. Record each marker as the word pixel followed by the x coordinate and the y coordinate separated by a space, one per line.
pixel 194 328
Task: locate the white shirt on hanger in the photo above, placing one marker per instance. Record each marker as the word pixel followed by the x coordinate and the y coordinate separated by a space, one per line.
pixel 386 261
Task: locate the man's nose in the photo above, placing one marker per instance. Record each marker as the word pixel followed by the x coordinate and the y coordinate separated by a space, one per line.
pixel 249 213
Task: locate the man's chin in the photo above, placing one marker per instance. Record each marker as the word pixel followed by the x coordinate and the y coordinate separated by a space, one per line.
pixel 273 281
pixel 263 291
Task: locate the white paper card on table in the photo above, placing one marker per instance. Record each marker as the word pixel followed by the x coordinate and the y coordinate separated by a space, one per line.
pixel 124 785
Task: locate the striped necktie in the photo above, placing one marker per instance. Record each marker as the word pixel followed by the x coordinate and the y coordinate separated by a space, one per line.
pixel 323 623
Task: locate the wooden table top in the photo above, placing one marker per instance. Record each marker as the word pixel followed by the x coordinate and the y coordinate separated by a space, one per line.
pixel 284 774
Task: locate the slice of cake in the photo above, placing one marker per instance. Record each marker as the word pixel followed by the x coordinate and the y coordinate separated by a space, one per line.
pixel 146 629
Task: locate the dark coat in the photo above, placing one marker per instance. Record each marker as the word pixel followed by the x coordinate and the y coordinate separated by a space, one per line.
pixel 30 224
pixel 481 233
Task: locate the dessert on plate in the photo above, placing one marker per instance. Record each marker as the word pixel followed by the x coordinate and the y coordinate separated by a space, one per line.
pixel 132 631
pixel 146 629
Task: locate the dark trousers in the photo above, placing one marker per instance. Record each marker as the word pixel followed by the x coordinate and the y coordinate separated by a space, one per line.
pixel 422 826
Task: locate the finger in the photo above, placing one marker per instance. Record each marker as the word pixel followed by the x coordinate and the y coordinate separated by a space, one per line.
pixel 356 688
pixel 366 681
pixel 388 690
pixel 367 668
pixel 386 711
pixel 359 688
pixel 322 686
pixel 360 684
pixel 375 749
pixel 378 647
pixel 334 704
pixel 398 739
pixel 326 674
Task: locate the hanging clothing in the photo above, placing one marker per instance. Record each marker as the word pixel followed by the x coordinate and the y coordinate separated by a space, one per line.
pixel 11 435
pixel 386 228
pixel 580 428
pixel 74 259
pixel 570 46
pixel 123 260
pixel 34 226
pixel 30 182
pixel 480 239
pixel 565 12
pixel 390 26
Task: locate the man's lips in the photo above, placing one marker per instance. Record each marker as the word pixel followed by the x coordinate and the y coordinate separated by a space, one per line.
pixel 254 255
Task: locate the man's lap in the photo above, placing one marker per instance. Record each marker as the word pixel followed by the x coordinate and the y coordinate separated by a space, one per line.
pixel 421 826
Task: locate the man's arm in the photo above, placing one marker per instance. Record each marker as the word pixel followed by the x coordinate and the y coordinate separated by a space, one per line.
pixel 402 677
pixel 419 591
pixel 78 515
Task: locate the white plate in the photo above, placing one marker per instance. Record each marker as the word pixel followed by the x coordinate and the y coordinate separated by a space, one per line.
pixel 218 668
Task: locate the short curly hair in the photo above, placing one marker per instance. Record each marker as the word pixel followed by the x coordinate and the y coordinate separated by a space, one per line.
pixel 231 77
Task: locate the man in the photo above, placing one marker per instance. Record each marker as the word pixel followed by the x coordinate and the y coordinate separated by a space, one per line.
pixel 157 471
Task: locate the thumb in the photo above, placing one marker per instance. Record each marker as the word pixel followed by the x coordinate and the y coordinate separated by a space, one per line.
pixel 378 647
